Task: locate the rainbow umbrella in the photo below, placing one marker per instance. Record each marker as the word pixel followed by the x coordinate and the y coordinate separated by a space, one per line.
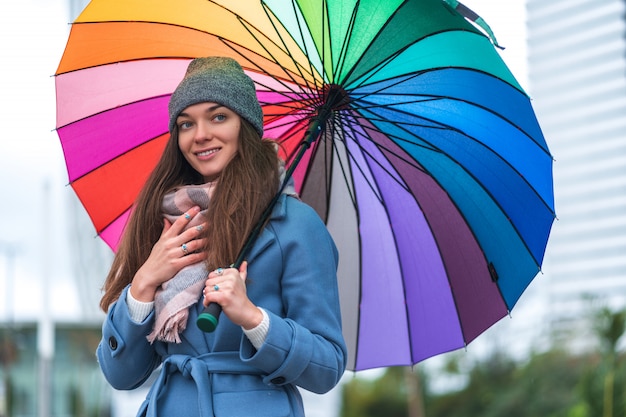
pixel 426 160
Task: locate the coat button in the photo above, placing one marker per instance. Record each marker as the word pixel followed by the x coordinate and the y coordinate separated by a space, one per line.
pixel 112 343
pixel 278 380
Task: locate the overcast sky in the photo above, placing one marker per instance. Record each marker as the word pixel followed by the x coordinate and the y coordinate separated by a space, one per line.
pixel 32 38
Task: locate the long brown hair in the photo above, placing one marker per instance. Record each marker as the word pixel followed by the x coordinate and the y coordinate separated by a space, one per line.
pixel 244 189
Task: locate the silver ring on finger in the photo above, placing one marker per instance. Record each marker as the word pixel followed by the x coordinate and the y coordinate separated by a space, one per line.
pixel 184 248
pixel 219 271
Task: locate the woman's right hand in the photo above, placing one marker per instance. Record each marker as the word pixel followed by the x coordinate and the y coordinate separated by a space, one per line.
pixel 168 256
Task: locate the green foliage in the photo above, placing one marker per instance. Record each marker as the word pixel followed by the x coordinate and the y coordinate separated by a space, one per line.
pixel 609 326
pixel 604 383
pixel 544 386
pixel 385 396
pixel 550 384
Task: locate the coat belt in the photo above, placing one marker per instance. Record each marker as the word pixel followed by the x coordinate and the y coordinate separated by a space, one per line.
pixel 199 368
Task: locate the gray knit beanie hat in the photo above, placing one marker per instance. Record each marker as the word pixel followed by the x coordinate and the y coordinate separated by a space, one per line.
pixel 218 80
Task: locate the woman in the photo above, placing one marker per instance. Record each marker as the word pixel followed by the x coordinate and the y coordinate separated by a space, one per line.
pixel 280 327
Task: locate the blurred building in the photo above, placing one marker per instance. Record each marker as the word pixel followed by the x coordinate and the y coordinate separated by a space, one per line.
pixel 76 384
pixel 577 79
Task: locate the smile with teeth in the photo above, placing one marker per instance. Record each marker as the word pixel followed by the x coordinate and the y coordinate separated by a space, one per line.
pixel 207 152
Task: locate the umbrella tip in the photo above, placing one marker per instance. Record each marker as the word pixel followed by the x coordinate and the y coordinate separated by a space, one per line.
pixel 472 16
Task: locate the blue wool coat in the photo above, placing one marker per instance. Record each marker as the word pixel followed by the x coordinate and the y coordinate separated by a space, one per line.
pixel 292 275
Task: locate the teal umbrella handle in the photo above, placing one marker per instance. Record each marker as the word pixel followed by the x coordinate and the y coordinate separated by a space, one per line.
pixel 208 319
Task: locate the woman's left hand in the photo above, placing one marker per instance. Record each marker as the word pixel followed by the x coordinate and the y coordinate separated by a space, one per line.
pixel 227 287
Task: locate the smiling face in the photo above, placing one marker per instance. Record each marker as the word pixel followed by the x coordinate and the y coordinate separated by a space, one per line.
pixel 208 137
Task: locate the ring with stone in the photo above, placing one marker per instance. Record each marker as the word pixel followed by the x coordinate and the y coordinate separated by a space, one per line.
pixel 216 287
pixel 219 271
pixel 183 247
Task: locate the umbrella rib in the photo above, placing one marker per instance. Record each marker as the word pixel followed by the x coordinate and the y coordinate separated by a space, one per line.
pixel 355 138
pixel 446 127
pixel 301 95
pixel 435 98
pixel 403 185
pixel 374 186
pixel 117 156
pixel 351 186
pixel 326 139
pixel 335 129
pixel 288 123
pixel 382 28
pixel 398 103
pixel 380 67
pixel 400 80
pixel 247 25
pixel 356 135
pixel 323 58
pixel 284 46
pixel 227 43
pixel 292 134
pixel 306 51
pixel 384 63
pixel 400 126
pixel 351 190
pixel 291 108
pixel 341 60
pixel 273 59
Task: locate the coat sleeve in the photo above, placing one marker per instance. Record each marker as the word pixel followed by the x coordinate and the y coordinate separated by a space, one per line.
pixel 124 354
pixel 306 346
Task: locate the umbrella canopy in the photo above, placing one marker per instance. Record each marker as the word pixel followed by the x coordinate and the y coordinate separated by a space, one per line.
pixel 428 165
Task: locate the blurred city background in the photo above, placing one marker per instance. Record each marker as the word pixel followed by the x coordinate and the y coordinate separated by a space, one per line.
pixel 561 353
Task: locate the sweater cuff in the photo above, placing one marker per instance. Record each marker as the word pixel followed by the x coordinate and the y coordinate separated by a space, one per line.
pixel 258 334
pixel 138 310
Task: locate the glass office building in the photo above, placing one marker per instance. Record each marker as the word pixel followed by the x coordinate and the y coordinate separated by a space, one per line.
pixel 577 80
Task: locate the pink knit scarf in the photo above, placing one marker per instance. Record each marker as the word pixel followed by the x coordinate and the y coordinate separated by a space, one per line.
pixel 175 296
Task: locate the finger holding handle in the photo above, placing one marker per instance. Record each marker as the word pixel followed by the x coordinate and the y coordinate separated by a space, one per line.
pixel 230 283
pixel 208 319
